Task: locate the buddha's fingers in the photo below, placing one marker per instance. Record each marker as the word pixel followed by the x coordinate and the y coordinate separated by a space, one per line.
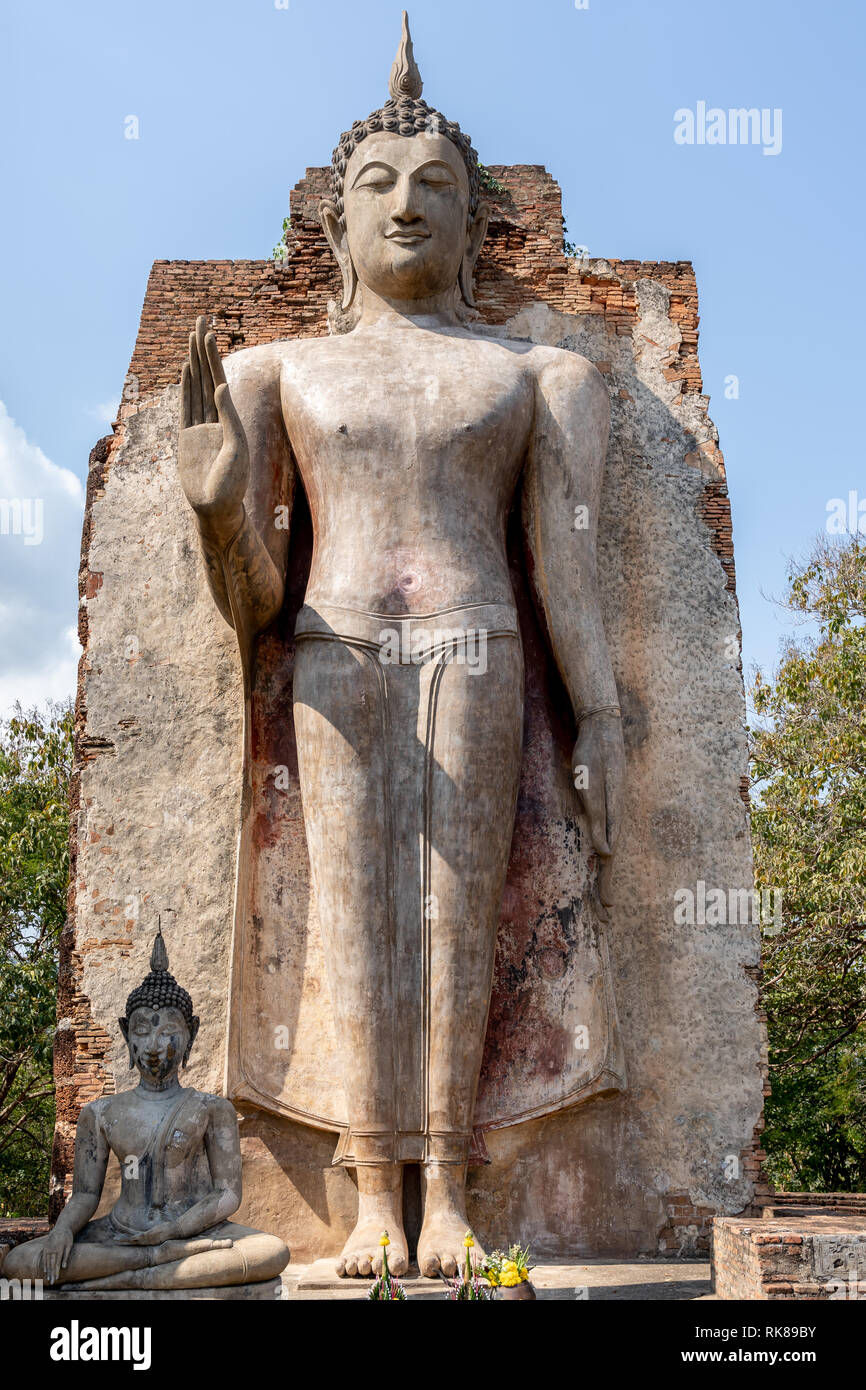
pixel 185 397
pixel 209 415
pixel 196 412
pixel 233 430
pixel 214 360
pixel 605 876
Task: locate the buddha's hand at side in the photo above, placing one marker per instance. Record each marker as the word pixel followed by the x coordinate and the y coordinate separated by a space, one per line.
pixel 212 453
pixel 598 766
pixel 56 1252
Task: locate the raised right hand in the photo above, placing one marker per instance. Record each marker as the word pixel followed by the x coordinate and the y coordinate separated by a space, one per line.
pixel 212 456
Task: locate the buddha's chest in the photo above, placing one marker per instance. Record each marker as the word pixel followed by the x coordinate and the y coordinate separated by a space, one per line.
pixel 445 403
pixel 141 1140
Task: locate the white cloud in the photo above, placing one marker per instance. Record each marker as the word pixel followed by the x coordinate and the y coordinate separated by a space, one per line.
pixel 105 412
pixel 41 508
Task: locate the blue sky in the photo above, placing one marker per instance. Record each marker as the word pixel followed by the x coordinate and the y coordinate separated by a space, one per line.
pixel 235 98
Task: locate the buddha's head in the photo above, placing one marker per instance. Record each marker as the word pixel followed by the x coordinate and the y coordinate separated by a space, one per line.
pixel 405 219
pixel 159 1026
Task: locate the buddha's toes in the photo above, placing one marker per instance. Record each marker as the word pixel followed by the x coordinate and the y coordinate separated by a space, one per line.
pixel 441 1247
pixel 362 1253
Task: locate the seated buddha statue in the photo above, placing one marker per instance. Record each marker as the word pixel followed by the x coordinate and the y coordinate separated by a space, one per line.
pixel 180 1163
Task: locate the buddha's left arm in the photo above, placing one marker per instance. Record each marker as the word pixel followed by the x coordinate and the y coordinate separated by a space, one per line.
pixel 222 1145
pixel 561 498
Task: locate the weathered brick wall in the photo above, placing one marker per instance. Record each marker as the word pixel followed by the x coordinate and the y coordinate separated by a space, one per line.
pixel 80 1044
pixel 847 1201
pixel 253 302
pixel 736 1270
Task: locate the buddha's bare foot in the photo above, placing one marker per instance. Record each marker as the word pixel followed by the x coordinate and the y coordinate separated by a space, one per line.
pixel 441 1247
pixel 380 1208
pixel 440 1244
pixel 362 1253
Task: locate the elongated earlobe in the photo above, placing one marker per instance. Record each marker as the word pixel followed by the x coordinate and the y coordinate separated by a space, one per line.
pixel 467 285
pixel 475 241
pixel 124 1028
pixel 193 1033
pixel 337 240
pixel 350 283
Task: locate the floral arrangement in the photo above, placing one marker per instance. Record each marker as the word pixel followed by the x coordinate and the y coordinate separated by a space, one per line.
pixel 471 1286
pixel 475 1284
pixel 386 1287
pixel 507 1270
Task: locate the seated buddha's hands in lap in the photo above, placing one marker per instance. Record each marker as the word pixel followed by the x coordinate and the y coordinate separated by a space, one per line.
pixel 166 1230
pixel 172 1233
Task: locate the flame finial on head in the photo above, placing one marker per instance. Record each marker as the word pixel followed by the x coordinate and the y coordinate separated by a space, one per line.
pixel 404 113
pixel 159 955
pixel 160 989
pixel 405 79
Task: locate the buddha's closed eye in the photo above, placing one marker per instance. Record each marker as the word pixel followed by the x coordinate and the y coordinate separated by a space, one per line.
pixel 375 176
pixel 378 185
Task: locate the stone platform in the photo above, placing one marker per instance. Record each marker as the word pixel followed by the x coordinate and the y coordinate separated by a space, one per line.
pixel 593 1280
pixel 641 1280
pixel 795 1252
pixel 268 1291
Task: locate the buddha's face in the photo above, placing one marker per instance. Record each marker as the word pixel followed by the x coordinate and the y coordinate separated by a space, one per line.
pixel 158 1041
pixel 405 202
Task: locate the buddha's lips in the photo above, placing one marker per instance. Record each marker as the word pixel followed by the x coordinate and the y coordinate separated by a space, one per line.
pixel 408 238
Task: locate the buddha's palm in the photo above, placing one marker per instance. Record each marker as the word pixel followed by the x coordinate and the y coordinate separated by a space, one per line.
pixel 212 457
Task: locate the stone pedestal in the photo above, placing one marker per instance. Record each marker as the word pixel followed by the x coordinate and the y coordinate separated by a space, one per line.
pixel 568 1281
pixel 810 1252
pixel 269 1291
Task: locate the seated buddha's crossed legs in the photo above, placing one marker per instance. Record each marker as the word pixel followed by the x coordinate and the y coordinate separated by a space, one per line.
pixel 237 1255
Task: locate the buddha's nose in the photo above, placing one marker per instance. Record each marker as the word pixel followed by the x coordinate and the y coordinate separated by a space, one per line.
pixel 406 202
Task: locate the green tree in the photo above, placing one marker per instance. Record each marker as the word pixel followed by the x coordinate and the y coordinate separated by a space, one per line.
pixel 809 832
pixel 35 768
